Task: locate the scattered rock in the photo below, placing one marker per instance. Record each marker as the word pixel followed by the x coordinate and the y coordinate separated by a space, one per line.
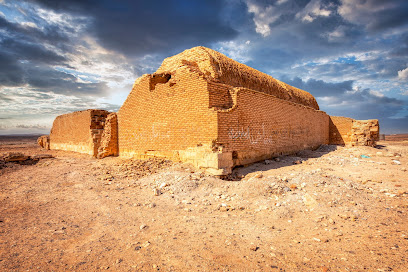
pixel 157 192
pixel 254 247
pixel 146 244
pixel 396 162
pixel 15 157
pixel 143 227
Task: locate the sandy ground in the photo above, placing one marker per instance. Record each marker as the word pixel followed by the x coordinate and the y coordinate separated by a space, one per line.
pixel 323 210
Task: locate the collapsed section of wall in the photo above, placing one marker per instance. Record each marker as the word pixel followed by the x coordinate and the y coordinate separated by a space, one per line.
pixel 44 141
pixel 79 131
pixel 109 141
pixel 259 126
pixel 365 132
pixel 347 131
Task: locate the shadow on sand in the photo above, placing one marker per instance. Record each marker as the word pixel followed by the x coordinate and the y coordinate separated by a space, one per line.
pixel 282 161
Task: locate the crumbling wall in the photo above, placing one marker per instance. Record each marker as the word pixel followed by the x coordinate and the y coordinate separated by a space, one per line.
pixel 182 115
pixel 347 131
pixel 365 132
pixel 221 69
pixel 79 131
pixel 259 126
pixel 109 141
pixel 44 141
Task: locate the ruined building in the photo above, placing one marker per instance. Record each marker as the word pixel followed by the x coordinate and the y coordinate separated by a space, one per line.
pixel 204 108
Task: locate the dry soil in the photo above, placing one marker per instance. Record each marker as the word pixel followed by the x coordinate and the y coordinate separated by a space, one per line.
pixel 325 210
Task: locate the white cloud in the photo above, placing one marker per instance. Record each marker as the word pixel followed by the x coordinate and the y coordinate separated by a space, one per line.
pixel 403 74
pixel 313 10
pixel 376 93
pixel 337 34
pixel 29 24
pixel 263 17
pixel 235 50
pixel 280 2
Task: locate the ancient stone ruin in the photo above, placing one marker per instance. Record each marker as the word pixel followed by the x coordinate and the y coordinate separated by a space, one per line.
pixel 204 108
pixel 92 132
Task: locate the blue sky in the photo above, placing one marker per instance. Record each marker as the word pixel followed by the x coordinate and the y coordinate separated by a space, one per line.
pixel 62 56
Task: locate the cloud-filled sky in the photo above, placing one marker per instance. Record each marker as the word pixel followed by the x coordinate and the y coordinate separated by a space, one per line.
pixel 61 56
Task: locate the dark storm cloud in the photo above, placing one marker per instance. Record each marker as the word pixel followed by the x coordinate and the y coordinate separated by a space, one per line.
pixel 320 88
pixel 11 73
pixel 49 33
pixel 32 52
pixel 139 27
pixel 342 99
pixel 375 15
pixel 46 79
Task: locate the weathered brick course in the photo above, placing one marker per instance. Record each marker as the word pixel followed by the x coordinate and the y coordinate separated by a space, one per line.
pixel 79 131
pixel 347 131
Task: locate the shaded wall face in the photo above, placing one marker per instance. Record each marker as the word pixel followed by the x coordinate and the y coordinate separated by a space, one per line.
pixel 340 130
pixel 167 116
pixel 261 126
pixel 78 131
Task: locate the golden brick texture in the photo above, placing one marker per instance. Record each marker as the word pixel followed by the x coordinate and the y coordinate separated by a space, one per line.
pixel 79 131
pixel 219 68
pixel 347 131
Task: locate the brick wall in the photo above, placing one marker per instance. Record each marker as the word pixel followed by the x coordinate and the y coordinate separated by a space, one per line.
pixel 162 116
pixel 347 131
pixel 79 131
pixel 219 68
pixel 340 130
pixel 259 126
pixel 365 132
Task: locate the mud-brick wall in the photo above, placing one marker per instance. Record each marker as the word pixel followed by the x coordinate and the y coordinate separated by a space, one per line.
pixel 79 131
pixel 161 116
pixel 259 126
pixel 340 130
pixel 109 140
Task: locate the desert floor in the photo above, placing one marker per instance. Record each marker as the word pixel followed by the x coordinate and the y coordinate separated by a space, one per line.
pixel 323 210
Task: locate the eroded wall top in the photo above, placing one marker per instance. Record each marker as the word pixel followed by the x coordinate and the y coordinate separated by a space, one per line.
pixel 218 67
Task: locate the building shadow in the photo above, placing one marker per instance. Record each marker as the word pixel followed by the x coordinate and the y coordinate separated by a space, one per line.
pixel 240 172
